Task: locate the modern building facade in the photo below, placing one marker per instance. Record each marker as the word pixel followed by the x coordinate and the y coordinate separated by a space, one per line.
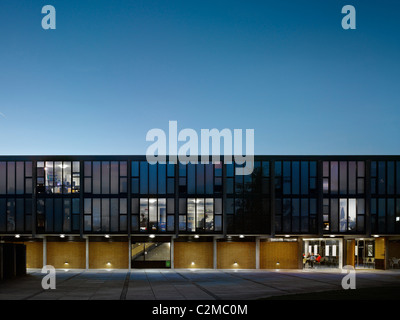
pixel 122 212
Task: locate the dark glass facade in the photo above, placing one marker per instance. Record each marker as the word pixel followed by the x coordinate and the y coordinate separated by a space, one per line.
pixel 285 195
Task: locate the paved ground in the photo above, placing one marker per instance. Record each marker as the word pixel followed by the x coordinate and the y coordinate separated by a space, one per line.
pixel 183 284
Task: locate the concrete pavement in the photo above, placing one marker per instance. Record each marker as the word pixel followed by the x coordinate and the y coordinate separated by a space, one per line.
pixel 184 284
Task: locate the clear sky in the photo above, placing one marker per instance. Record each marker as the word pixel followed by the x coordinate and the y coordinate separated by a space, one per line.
pixel 112 70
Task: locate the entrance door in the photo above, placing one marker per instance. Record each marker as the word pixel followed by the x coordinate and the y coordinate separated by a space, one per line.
pixel 151 255
pixel 365 253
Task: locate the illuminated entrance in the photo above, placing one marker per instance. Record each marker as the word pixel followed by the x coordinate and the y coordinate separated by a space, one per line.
pixel 322 253
pixel 364 253
pixel 151 255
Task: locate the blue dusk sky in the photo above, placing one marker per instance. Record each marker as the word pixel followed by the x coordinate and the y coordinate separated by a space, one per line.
pixel 113 70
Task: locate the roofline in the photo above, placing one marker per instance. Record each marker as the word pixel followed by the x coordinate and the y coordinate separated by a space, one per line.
pixel 143 157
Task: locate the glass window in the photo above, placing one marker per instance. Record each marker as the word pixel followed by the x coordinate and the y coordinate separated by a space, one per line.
pixel 143 177
pixel 343 215
pixel 162 215
pixel 360 185
pixel 373 169
pixel 381 214
pixel 360 206
pixel 170 170
pixel 123 223
pixel 229 206
pixel 123 169
pixel 381 177
pixel 3 180
pixel 153 178
pixel 218 223
pixel 334 223
pixel 67 219
pixel 58 167
pixel 96 178
pixel 123 206
pixel 144 214
pixel 49 215
pixel 278 168
pixel 286 211
pixel 153 214
pixel 49 177
pixel 105 177
pixel 182 206
pixel 96 215
pixel 352 177
pixel 87 223
pixel 20 177
pixel 88 185
pixel 398 176
pixel 191 213
pixel 114 184
pixel 135 206
pixel 334 177
pixel 229 185
pixel 295 215
pixel 76 177
pixel 209 214
pixel 360 169
pixel 343 177
pixel 162 188
pixel 58 215
pixel 218 186
pixel 325 168
pixel 182 223
pixel 295 177
pixel 325 185
pixel 170 223
pixel 304 177
pixel 209 178
pixel 390 216
pixel 229 170
pixel 286 177
pixel 191 179
pixel 200 214
pixel 352 215
pixel 135 185
pixel 218 206
pixel 200 178
pixel 67 177
pixel 239 184
pixel 11 177
pixel 114 210
pixel 265 168
pixel 135 169
pixel 28 169
pixel 170 206
pixel 182 170
pixel 390 177
pixel 88 168
pixel 10 215
pixel 304 215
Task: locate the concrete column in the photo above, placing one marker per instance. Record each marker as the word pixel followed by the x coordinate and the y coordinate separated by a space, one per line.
pixel 340 253
pixel 215 254
pixel 44 251
pixel 172 252
pixel 87 253
pixel 257 252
